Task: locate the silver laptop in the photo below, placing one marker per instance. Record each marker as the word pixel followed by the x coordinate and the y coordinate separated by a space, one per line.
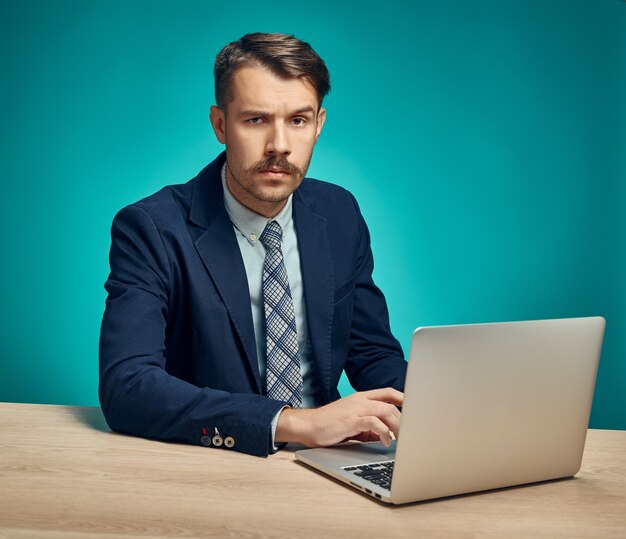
pixel 485 406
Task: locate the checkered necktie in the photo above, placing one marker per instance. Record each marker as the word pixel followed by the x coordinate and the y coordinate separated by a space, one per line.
pixel 284 381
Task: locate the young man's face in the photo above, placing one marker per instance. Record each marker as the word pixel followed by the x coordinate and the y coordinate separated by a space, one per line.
pixel 270 127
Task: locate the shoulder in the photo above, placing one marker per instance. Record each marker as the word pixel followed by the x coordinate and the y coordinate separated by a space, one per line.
pixel 169 206
pixel 169 200
pixel 147 221
pixel 176 205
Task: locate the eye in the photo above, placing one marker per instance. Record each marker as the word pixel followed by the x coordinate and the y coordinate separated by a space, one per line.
pixel 298 121
pixel 254 121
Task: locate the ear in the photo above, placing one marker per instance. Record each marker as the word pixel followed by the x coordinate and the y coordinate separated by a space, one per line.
pixel 218 121
pixel 321 118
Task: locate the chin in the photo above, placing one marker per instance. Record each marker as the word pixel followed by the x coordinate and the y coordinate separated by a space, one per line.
pixel 276 193
pixel 274 197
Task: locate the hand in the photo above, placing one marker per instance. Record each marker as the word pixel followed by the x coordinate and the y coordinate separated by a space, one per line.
pixel 366 415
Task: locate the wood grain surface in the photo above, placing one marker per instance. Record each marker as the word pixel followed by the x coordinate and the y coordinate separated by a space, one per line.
pixel 63 474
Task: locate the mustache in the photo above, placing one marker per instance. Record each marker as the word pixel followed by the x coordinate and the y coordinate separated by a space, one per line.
pixel 276 162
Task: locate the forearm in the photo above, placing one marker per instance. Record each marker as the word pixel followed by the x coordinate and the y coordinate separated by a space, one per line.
pixel 149 402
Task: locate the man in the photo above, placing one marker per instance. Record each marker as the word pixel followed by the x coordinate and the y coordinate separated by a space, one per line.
pixel 236 300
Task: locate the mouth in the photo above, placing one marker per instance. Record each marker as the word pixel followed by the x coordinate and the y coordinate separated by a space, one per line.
pixel 274 173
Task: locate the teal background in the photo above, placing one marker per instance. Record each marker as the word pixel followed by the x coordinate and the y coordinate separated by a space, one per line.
pixel 485 141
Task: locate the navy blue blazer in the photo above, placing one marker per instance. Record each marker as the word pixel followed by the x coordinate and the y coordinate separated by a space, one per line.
pixel 177 346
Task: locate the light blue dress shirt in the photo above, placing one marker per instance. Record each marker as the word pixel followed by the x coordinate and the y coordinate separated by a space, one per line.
pixel 248 227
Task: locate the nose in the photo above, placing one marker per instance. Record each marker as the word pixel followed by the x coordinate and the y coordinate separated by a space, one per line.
pixel 277 142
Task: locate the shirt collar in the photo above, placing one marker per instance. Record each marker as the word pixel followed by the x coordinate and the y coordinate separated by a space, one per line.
pixel 249 223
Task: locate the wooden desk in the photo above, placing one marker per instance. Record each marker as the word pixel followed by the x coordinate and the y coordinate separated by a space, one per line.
pixel 63 474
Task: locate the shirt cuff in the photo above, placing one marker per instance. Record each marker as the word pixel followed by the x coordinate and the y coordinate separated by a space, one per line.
pixel 274 425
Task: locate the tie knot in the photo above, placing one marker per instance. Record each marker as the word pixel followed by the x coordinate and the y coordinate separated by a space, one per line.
pixel 272 235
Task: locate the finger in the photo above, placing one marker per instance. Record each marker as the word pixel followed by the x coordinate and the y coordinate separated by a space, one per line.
pixel 387 413
pixel 385 394
pixel 375 425
pixel 363 437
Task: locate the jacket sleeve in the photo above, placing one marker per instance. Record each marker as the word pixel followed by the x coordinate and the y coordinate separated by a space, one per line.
pixel 137 395
pixel 375 357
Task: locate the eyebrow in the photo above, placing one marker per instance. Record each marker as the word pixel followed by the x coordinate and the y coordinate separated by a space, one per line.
pixel 254 112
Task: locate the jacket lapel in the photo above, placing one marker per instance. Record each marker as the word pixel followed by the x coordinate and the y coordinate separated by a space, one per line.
pixel 317 275
pixel 219 251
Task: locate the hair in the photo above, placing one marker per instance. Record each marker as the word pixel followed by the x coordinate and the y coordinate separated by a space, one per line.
pixel 283 55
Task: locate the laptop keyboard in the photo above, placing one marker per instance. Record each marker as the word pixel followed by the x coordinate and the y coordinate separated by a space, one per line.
pixel 378 473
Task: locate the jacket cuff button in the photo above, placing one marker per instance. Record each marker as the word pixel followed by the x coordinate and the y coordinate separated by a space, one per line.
pixel 205 441
pixel 229 441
